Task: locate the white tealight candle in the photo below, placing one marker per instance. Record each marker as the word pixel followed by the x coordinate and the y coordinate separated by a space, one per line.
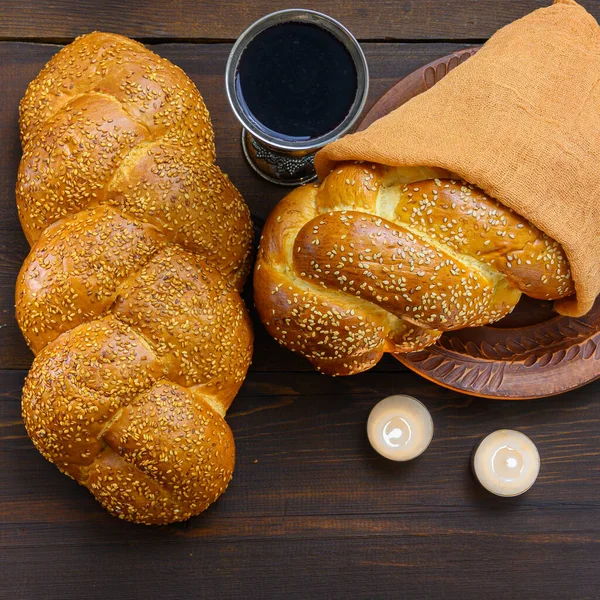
pixel 400 427
pixel 506 463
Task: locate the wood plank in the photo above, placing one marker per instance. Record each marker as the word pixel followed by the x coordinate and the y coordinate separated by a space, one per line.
pixel 205 64
pixel 459 566
pixel 62 20
pixel 309 496
pixel 308 435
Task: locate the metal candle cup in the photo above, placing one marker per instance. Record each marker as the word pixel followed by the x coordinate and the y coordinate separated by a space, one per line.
pixel 400 428
pixel 506 463
pixel 275 157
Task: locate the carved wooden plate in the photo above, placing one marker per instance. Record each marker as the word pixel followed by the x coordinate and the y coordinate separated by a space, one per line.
pixel 531 353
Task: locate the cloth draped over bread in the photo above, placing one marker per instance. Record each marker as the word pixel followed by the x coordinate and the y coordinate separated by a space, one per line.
pixel 521 120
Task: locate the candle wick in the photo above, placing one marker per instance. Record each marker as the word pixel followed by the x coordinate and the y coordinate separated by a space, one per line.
pixel 395 433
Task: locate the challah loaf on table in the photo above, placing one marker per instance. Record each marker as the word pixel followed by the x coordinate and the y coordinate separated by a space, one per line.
pixel 129 296
pixel 379 259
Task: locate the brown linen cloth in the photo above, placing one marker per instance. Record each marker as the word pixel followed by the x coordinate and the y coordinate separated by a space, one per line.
pixel 521 120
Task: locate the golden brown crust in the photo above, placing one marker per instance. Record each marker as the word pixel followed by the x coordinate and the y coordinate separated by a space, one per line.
pixel 78 383
pixel 193 203
pixel 129 296
pixel 68 164
pixel 179 442
pixel 75 269
pixel 389 265
pixel 463 218
pixel 150 89
pixel 328 329
pixel 194 320
pixel 106 116
pixel 379 259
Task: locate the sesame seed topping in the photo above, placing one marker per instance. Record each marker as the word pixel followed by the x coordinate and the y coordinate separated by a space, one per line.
pixel 130 300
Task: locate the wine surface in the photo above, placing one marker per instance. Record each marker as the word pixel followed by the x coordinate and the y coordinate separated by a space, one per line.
pixel 297 81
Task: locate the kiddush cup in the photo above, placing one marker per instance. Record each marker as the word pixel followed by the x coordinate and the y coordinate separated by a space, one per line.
pixel 296 80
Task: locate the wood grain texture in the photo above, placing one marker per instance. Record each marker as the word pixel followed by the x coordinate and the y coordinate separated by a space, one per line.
pixel 312 511
pixel 202 20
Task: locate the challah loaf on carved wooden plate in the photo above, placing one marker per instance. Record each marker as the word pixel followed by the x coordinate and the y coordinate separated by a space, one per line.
pixel 129 296
pixel 379 259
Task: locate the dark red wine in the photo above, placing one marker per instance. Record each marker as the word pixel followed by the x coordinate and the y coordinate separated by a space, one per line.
pixel 297 81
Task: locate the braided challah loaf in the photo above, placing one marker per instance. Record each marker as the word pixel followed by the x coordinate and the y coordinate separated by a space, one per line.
pixel 379 259
pixel 129 296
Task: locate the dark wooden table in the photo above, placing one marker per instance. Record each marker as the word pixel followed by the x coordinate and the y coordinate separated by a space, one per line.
pixel 312 512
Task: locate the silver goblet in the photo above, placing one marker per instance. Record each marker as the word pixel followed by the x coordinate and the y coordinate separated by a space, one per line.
pixel 279 159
